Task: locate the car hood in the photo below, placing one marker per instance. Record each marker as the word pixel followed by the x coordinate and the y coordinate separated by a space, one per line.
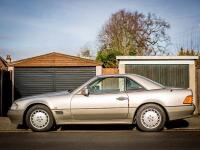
pixel 46 95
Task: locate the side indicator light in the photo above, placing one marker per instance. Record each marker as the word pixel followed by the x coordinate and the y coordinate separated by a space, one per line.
pixel 188 100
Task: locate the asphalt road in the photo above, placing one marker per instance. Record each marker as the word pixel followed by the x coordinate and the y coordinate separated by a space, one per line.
pixel 100 140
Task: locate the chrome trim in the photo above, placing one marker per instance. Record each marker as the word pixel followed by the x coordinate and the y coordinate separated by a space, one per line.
pixel 151 118
pixel 39 119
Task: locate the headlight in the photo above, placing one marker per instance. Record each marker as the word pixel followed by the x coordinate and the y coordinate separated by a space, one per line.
pixel 14 106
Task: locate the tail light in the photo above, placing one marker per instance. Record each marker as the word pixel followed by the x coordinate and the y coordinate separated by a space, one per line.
pixel 188 100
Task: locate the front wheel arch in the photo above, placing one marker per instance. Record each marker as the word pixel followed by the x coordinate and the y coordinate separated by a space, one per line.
pixel 26 110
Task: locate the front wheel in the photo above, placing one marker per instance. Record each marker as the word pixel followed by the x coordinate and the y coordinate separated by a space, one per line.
pixel 39 118
pixel 150 117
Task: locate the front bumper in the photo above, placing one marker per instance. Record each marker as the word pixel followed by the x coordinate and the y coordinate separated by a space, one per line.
pixel 180 112
pixel 16 116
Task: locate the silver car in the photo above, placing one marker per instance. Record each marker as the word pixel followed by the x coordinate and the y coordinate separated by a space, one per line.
pixel 109 99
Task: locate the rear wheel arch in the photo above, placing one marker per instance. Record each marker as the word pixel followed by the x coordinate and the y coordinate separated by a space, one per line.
pixel 166 113
pixel 150 117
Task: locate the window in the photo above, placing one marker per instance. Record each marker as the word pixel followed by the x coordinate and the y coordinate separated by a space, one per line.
pixel 107 85
pixel 132 85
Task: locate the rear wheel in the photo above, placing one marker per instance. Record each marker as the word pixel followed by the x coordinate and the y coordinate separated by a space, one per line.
pixel 150 117
pixel 39 118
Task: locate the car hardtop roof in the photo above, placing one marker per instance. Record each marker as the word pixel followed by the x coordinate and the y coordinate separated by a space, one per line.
pixel 146 82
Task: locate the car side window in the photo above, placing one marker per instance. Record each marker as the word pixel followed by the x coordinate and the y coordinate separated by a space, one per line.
pixel 132 85
pixel 107 85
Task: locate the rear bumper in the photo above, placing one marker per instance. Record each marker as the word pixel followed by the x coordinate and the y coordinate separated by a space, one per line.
pixel 180 112
pixel 16 116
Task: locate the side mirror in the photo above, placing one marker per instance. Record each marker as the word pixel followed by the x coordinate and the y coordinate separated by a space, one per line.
pixel 85 92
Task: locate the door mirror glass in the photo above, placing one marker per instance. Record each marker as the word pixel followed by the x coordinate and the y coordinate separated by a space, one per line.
pixel 85 92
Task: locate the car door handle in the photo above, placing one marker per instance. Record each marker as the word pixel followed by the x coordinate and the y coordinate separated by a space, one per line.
pixel 122 98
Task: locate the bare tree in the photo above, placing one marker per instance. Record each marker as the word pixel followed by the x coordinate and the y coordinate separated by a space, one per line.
pixel 133 33
pixel 85 51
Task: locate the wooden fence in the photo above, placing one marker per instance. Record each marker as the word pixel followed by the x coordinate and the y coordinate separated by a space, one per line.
pixel 106 71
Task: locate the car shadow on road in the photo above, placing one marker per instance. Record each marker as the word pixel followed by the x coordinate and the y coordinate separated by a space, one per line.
pixel 181 124
pixel 97 127
pixel 177 124
pixel 169 125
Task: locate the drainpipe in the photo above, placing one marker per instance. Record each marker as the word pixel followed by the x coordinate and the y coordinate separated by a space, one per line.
pixel 11 70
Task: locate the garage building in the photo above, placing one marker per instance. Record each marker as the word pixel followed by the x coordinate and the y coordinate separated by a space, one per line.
pixel 171 71
pixel 51 72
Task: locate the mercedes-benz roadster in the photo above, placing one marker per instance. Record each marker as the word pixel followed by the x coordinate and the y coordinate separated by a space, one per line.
pixel 109 99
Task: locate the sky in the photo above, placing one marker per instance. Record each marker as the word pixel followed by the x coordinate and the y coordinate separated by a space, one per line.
pixel 34 27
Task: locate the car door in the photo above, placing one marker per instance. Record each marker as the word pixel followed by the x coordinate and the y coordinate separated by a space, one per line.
pixel 106 100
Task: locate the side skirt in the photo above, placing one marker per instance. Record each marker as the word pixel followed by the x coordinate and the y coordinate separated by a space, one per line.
pixel 124 121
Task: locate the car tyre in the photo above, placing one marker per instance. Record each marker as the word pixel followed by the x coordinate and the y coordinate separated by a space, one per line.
pixel 39 118
pixel 151 118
